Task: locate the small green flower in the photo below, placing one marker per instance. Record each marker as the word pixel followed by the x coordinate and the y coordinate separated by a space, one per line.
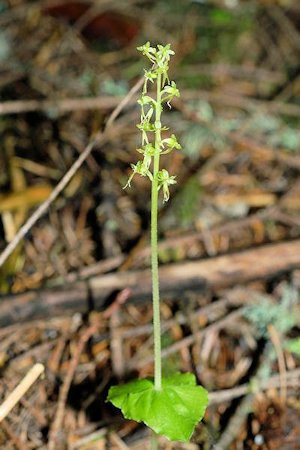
pixel 148 151
pixel 171 144
pixel 146 126
pixel 163 54
pixel 171 91
pixel 150 75
pixel 164 181
pixel 146 100
pixel 140 168
pixel 148 51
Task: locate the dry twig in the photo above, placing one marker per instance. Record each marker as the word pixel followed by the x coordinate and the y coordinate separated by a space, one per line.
pixel 281 361
pixel 20 390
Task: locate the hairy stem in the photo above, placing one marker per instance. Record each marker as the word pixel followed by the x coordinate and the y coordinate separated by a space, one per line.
pixel 154 441
pixel 154 253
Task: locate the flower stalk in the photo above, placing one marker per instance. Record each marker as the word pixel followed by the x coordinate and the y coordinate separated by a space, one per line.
pixel 154 249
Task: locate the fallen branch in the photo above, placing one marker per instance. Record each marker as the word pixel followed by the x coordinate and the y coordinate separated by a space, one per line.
pixel 214 273
pixel 226 395
pixel 61 105
pixel 109 102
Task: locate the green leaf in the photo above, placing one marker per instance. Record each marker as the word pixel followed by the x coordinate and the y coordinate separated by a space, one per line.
pixel 221 17
pixel 293 346
pixel 172 411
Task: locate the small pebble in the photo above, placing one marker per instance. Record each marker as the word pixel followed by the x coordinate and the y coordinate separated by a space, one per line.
pixel 259 439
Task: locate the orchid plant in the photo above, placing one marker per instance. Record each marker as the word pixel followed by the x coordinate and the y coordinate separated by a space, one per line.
pixel 171 406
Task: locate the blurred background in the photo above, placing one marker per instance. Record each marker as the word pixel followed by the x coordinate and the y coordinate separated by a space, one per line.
pixel 64 66
pixel 237 67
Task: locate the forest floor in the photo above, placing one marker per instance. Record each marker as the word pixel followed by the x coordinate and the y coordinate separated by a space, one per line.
pixel 76 291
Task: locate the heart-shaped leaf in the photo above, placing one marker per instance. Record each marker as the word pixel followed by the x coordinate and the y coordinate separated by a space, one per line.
pixel 172 411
